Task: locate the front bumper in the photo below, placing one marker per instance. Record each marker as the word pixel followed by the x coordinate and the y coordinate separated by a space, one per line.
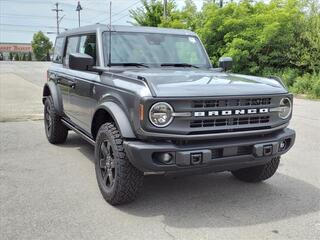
pixel 214 155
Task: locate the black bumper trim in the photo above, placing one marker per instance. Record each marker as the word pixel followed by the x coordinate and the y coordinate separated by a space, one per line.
pixel 140 153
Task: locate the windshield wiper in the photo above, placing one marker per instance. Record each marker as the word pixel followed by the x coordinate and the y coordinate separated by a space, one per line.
pixel 178 65
pixel 130 64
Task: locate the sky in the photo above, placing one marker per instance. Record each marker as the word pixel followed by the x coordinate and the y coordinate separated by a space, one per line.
pixel 20 19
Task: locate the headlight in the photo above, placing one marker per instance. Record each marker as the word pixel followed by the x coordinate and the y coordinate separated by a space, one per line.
pixel 160 114
pixel 285 108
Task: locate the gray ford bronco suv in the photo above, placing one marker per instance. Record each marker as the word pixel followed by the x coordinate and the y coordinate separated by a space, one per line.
pixel 149 101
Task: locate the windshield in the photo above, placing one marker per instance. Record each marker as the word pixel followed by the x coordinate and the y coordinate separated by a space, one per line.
pixel 153 49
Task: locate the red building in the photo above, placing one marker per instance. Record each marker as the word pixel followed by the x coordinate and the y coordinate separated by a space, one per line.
pixel 16 49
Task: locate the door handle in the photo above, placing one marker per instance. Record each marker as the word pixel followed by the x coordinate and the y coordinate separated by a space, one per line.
pixel 71 84
pixel 56 79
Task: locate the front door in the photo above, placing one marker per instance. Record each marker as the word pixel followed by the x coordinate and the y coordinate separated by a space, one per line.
pixel 66 79
pixel 82 87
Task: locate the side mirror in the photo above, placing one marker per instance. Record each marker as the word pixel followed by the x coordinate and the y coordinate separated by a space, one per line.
pixel 80 61
pixel 225 63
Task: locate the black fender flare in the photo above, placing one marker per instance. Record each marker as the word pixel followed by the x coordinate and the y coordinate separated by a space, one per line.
pixel 50 88
pixel 120 118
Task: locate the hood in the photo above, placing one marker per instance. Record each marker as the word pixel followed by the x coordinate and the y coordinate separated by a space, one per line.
pixel 173 82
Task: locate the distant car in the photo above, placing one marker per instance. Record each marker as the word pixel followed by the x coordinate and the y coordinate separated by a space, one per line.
pixel 149 101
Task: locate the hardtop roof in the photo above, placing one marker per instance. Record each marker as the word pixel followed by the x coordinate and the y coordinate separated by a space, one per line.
pixel 123 28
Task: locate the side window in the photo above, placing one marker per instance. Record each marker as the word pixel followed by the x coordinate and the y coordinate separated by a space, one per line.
pixel 88 46
pixel 58 51
pixel 72 46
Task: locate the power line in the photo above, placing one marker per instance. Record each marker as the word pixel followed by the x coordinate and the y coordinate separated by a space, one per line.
pixel 67 5
pixel 121 17
pixel 31 1
pixel 20 25
pixel 34 16
pixel 117 13
pixel 135 3
pixel 17 31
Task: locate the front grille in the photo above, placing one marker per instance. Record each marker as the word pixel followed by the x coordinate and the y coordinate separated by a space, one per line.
pixel 231 121
pixel 217 103
pixel 222 115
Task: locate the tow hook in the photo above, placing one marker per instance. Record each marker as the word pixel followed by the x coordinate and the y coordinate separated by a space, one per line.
pixel 195 158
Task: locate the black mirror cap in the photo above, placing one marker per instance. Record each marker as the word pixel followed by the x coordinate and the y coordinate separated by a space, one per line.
pixel 225 63
pixel 80 61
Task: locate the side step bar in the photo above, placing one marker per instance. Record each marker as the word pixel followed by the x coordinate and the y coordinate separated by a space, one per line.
pixel 82 134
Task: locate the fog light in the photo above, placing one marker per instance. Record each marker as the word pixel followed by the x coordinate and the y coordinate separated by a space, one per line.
pixel 165 158
pixel 282 145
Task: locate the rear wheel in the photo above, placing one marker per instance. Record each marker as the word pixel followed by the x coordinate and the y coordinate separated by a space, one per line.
pixel 56 131
pixel 258 173
pixel 119 181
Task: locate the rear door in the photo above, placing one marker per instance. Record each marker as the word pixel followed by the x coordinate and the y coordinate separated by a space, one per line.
pixel 57 70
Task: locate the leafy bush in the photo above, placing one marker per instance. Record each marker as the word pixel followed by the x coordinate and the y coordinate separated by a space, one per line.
pixel 288 75
pixel 316 88
pixel 307 84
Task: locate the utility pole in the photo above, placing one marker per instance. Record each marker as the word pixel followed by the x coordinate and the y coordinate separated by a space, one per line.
pixel 78 9
pixel 165 3
pixel 57 10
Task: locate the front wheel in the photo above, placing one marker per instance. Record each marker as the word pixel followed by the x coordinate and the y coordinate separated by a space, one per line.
pixel 258 173
pixel 119 181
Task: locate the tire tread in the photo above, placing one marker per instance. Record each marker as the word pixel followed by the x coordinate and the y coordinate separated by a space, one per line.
pixel 130 179
pixel 59 131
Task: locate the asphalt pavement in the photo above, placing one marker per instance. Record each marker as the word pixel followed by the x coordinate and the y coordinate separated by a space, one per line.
pixel 50 191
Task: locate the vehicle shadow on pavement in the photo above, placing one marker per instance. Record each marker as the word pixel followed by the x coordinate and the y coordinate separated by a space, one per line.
pixel 75 141
pixel 217 199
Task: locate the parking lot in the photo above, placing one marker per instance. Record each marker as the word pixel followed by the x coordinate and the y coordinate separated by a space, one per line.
pixel 50 191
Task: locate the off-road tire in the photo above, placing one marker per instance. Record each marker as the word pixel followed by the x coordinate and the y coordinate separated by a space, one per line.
pixel 258 173
pixel 127 180
pixel 58 132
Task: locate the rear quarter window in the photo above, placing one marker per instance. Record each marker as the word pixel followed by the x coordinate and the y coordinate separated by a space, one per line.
pixel 72 47
pixel 58 50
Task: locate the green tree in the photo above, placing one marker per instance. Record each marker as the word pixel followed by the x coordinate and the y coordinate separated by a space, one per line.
pixel 41 46
pixel 186 18
pixel 307 49
pixel 10 56
pixel 16 57
pixel 151 13
pixel 257 36
pixel 29 56
pixel 24 57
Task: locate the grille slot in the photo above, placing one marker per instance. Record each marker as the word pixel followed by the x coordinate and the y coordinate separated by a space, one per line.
pixel 241 150
pixel 231 102
pixel 244 150
pixel 233 121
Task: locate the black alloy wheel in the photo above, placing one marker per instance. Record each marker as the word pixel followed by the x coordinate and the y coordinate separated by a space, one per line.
pixel 107 164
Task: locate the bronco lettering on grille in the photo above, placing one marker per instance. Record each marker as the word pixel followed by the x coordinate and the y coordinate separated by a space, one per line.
pixel 231 112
